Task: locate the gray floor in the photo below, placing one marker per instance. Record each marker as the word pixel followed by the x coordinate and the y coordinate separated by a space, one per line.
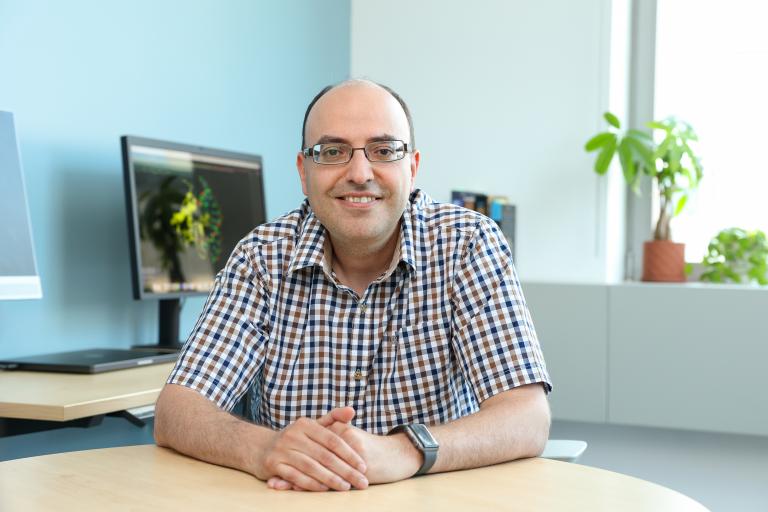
pixel 725 473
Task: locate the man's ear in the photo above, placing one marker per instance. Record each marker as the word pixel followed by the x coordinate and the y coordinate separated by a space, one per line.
pixel 415 160
pixel 302 172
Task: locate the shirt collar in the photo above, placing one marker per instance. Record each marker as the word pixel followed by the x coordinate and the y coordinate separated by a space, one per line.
pixel 310 243
pixel 410 215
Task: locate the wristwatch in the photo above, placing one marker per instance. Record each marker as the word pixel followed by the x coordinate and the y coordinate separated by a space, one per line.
pixel 422 439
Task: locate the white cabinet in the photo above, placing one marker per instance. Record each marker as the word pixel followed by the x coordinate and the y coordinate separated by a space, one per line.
pixel 692 357
pixel 676 356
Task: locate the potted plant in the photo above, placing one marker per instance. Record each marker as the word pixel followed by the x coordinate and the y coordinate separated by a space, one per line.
pixel 672 164
pixel 737 255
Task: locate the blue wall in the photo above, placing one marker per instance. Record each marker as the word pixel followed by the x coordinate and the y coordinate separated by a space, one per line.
pixel 78 74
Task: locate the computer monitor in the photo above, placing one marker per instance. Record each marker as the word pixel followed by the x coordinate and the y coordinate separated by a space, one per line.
pixel 187 207
pixel 18 269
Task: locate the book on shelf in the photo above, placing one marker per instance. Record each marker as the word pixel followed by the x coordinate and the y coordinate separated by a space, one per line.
pixel 496 207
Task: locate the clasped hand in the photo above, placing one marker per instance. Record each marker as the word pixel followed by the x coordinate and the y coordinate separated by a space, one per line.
pixel 330 453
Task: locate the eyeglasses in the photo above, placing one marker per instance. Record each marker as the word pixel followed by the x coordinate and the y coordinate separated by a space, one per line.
pixel 340 153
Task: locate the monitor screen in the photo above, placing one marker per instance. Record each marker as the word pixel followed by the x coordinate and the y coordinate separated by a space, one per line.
pixel 18 269
pixel 188 206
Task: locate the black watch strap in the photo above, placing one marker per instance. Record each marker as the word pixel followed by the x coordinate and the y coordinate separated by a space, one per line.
pixel 423 440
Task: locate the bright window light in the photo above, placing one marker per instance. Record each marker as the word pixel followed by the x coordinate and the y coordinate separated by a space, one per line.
pixel 712 71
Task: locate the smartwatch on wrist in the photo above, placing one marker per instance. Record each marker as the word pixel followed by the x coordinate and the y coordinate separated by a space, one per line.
pixel 422 439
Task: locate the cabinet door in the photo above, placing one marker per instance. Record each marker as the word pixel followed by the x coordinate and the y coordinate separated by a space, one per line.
pixel 572 327
pixel 690 357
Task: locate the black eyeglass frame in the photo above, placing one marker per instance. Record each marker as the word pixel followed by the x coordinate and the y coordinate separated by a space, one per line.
pixel 312 152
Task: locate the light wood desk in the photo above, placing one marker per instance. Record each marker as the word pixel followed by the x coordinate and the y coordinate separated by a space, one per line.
pixel 151 478
pixel 65 396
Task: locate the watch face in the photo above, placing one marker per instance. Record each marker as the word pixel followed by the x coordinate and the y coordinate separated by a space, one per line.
pixel 424 436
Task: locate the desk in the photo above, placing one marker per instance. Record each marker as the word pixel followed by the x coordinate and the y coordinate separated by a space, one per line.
pixel 67 396
pixel 151 478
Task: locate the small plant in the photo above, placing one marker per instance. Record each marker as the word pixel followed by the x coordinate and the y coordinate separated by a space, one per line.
pixel 198 221
pixel 736 255
pixel 672 163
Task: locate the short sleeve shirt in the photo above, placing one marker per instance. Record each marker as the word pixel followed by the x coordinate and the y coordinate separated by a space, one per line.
pixel 443 330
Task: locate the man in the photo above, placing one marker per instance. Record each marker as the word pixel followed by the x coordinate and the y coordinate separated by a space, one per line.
pixel 371 310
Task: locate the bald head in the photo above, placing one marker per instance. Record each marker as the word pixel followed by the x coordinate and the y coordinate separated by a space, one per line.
pixel 346 88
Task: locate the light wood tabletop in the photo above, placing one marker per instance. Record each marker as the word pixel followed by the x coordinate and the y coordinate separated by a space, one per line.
pixel 151 478
pixel 66 396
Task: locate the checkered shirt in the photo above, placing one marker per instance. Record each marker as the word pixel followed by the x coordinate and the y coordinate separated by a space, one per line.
pixel 444 329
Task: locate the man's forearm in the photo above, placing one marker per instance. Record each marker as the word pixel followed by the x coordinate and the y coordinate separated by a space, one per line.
pixel 304 453
pixel 190 424
pixel 511 425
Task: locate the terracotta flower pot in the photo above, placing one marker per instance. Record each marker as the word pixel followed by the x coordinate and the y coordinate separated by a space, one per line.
pixel 664 261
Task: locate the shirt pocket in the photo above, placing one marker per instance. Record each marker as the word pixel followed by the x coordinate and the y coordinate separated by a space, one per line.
pixel 421 364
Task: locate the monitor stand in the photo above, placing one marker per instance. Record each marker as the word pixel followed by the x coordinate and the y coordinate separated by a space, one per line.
pixel 168 327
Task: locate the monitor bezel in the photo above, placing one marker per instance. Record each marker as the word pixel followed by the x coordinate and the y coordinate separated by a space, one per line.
pixel 22 286
pixel 126 141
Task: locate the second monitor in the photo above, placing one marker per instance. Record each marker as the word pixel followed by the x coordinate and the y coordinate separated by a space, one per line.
pixel 187 207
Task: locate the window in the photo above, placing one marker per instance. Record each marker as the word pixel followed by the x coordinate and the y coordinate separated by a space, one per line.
pixel 712 71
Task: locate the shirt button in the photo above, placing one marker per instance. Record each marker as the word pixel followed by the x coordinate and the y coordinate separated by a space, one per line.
pixel 358 374
pixel 363 307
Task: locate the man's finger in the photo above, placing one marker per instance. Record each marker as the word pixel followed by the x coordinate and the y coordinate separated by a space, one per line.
pixel 279 484
pixel 338 428
pixel 336 454
pixel 353 475
pixel 300 478
pixel 340 414
pixel 314 469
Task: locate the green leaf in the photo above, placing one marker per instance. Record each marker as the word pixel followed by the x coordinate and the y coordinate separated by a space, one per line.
pixel 737 255
pixel 639 134
pixel 690 177
pixel 674 157
pixel 604 157
pixel 732 275
pixel 599 140
pixel 627 163
pixel 680 205
pixel 661 151
pixel 641 150
pixel 688 269
pixel 714 276
pixel 658 125
pixel 650 170
pixel 612 120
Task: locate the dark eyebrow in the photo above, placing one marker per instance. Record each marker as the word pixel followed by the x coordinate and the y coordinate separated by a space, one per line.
pixel 383 137
pixel 328 139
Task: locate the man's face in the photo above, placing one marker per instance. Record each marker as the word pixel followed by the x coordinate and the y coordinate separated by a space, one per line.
pixel 358 114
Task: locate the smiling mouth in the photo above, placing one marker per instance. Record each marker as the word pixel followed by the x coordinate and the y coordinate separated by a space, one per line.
pixel 359 199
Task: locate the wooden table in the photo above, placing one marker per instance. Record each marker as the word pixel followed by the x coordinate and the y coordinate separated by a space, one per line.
pixel 66 396
pixel 151 478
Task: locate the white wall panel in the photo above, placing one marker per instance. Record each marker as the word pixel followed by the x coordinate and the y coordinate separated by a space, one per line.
pixel 504 94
